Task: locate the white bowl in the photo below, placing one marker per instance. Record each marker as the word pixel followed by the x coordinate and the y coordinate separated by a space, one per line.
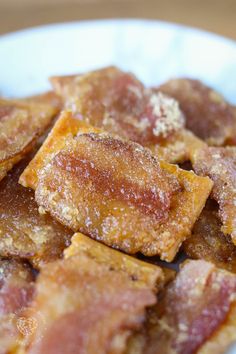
pixel 153 50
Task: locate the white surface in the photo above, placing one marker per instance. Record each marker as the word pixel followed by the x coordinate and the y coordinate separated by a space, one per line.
pixel 155 51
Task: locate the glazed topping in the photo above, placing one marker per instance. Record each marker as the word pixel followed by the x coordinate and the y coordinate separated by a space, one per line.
pixel 207 113
pixel 95 307
pixel 193 308
pixel 208 241
pixel 220 165
pixel 119 103
pixel 24 233
pixel 115 171
pixel 120 171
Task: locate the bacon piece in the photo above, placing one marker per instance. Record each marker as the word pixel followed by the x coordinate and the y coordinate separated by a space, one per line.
pixel 196 310
pixel 115 191
pixel 24 233
pixel 96 304
pixel 220 165
pixel 208 241
pixel 22 122
pixel 16 292
pixel 224 338
pixel 120 104
pixel 207 113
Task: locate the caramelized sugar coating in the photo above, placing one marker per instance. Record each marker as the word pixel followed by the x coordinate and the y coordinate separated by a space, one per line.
pixel 220 165
pixel 143 272
pixel 196 313
pixel 16 292
pixel 96 305
pixel 178 148
pixel 120 104
pixel 103 166
pixel 115 191
pixel 22 122
pixel 24 233
pixel 208 241
pixel 207 113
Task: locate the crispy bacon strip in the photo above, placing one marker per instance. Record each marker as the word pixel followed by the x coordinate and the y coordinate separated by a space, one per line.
pixel 207 113
pixel 24 233
pixel 151 210
pixel 16 292
pixel 208 241
pixel 96 304
pixel 220 165
pixel 22 122
pixel 120 104
pixel 196 313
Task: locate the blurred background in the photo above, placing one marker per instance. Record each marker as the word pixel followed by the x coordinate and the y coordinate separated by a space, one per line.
pixel 218 16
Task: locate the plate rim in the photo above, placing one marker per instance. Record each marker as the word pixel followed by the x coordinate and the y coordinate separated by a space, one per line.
pixel 115 21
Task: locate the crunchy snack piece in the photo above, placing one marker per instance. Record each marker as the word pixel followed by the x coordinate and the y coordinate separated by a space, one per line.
pixel 120 104
pixel 207 113
pixel 96 304
pixel 220 165
pixel 16 292
pixel 24 233
pixel 208 241
pixel 115 191
pixel 137 270
pixel 22 122
pixel 196 313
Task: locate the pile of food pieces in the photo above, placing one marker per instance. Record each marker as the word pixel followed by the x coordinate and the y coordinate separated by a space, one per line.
pixel 104 184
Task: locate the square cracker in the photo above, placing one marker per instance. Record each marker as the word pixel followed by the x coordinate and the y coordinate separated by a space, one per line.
pixel 138 270
pixel 131 234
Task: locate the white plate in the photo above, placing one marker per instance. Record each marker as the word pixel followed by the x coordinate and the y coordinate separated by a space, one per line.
pixel 153 50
